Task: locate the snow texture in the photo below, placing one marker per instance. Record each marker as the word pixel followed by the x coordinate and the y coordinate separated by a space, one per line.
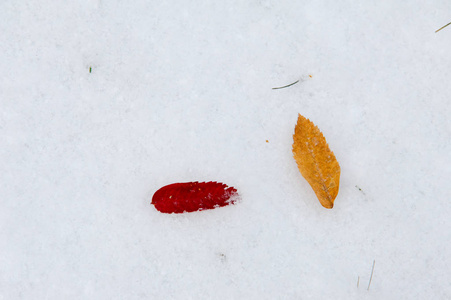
pixel 182 91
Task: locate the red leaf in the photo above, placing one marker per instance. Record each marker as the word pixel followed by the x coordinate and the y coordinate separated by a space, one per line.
pixel 193 196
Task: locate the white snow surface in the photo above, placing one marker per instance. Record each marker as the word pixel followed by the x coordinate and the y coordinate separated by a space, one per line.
pixel 182 91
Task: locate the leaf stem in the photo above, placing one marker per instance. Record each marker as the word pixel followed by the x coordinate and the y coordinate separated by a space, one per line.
pixel 371 278
pixel 442 27
pixel 281 87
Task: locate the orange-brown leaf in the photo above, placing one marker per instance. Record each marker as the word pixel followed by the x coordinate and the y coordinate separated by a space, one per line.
pixel 316 162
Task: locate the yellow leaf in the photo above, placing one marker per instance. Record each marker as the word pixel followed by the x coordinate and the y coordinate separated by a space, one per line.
pixel 316 162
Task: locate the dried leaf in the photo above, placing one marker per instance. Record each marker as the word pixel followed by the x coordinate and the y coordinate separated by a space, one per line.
pixel 316 162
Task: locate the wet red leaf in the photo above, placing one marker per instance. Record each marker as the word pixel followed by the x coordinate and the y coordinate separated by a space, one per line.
pixel 193 196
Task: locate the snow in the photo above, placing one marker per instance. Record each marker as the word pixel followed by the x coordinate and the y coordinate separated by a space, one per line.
pixel 182 91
